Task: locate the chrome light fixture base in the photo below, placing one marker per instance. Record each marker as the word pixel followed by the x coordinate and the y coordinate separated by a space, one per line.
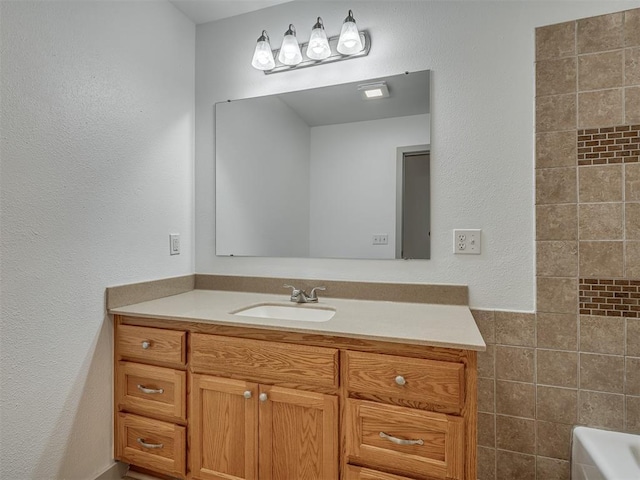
pixel 334 57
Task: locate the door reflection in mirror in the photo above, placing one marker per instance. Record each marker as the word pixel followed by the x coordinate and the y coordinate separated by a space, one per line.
pixel 413 203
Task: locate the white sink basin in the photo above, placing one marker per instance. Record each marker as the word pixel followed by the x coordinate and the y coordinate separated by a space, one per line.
pixel 301 313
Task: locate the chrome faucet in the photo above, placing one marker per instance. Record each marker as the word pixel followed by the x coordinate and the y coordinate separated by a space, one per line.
pixel 300 296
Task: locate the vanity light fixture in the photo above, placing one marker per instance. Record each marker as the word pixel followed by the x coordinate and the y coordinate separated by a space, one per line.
pixel 319 50
pixel 290 50
pixel 349 42
pixel 263 56
pixel 372 91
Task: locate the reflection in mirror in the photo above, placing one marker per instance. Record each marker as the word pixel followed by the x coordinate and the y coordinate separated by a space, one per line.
pixel 325 173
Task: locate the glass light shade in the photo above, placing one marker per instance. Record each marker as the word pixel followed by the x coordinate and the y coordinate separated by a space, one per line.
pixel 290 53
pixel 349 42
pixel 318 46
pixel 262 55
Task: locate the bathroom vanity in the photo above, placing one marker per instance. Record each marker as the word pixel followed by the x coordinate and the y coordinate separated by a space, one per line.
pixel 382 390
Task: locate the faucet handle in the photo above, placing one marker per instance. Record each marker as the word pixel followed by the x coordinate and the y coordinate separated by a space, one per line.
pixel 295 292
pixel 313 295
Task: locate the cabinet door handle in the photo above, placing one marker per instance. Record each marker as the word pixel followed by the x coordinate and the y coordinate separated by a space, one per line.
pixel 149 391
pixel 149 445
pixel 263 397
pixel 400 380
pixel 400 441
pixel 247 394
pixel 146 344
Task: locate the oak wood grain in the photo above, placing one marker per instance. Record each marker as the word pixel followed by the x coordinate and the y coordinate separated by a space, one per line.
pixel 331 341
pixel 265 361
pixel 166 347
pixel 223 429
pixel 169 459
pixel 298 435
pixel 430 381
pixel 360 473
pixel 301 380
pixel 470 415
pixel 440 456
pixel 167 403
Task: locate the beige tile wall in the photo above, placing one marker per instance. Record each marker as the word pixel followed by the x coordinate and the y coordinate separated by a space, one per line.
pixel 543 373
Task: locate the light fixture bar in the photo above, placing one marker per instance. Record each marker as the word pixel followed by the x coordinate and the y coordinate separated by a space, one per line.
pixel 334 57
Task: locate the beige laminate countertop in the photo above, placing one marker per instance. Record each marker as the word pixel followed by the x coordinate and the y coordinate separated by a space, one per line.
pixel 449 326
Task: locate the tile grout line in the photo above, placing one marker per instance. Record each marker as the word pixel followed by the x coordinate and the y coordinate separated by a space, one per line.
pixel 495 398
pixel 577 278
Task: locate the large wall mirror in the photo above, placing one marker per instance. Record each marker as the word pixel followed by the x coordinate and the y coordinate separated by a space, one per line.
pixel 326 172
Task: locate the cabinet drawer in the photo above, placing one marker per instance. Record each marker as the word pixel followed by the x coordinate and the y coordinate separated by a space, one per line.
pixel 359 473
pixel 406 379
pixel 152 444
pixel 262 361
pixel 153 391
pixel 404 440
pixel 152 345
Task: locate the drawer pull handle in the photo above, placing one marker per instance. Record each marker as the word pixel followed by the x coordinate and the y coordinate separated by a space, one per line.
pixel 149 391
pixel 400 380
pixel 146 344
pixel 400 441
pixel 263 397
pixel 247 394
pixel 149 445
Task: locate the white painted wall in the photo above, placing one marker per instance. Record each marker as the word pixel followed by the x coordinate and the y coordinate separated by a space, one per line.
pixel 263 175
pixel 97 122
pixel 481 55
pixel 353 184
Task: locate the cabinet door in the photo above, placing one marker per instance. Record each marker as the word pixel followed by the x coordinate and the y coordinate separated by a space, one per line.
pixel 298 435
pixel 223 425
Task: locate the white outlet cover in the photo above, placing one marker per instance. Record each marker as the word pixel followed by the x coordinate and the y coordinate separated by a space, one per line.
pixel 380 239
pixel 467 242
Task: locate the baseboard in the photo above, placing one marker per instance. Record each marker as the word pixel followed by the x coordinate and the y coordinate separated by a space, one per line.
pixel 114 472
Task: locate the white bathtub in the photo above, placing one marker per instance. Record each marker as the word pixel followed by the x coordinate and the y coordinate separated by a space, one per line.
pixel 603 455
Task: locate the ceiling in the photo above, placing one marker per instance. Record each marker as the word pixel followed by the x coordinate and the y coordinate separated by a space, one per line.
pixel 409 95
pixel 203 11
pixel 337 104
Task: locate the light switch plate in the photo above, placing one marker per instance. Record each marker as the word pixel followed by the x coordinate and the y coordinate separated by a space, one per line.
pixel 174 244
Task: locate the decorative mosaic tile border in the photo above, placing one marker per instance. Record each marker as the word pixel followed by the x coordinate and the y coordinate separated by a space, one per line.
pixel 610 297
pixel 601 146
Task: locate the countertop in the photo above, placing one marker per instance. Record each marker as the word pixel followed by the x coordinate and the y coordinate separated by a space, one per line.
pixel 449 326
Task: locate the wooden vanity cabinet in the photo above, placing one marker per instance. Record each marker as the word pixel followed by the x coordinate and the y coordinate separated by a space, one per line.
pixel 259 429
pixel 246 431
pixel 270 405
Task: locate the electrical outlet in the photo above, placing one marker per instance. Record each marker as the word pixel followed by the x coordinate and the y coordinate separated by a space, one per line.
pixel 381 239
pixel 467 242
pixel 174 244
